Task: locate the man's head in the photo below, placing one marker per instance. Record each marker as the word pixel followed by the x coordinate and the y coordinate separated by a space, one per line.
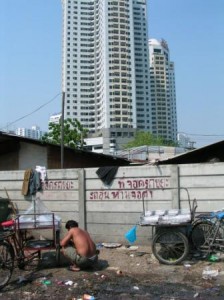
pixel 71 224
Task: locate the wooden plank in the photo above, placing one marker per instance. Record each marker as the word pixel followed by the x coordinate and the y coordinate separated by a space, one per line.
pixel 202 169
pixel 112 218
pixel 11 175
pixel 129 206
pixel 114 195
pixel 61 195
pixel 70 206
pixel 139 171
pixel 202 181
pixel 62 174
pixel 115 229
pixel 206 193
pixel 17 185
pixel 131 183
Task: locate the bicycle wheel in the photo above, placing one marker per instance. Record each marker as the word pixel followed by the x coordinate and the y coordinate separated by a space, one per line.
pixel 170 247
pixel 6 263
pixel 200 233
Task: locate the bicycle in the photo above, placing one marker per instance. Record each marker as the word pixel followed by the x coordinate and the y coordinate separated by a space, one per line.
pixel 11 250
pixel 208 233
pixel 16 246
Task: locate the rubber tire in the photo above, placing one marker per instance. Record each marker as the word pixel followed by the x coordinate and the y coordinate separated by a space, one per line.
pixel 163 238
pixel 199 233
pixel 6 248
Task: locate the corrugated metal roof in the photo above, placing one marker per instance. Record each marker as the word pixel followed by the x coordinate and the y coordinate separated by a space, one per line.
pixel 11 140
pixel 210 153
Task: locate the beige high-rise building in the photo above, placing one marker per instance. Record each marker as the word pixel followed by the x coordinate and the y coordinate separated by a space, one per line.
pixel 106 67
pixel 163 92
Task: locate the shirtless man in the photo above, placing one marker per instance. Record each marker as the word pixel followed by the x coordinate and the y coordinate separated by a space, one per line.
pixel 78 246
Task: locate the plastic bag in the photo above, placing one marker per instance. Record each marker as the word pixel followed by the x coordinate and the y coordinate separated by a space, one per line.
pixel 38 213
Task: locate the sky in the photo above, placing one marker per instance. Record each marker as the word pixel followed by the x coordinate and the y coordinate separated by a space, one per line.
pixel 30 62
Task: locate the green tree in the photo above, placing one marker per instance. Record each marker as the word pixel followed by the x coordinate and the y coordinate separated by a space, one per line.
pixel 143 138
pixel 74 134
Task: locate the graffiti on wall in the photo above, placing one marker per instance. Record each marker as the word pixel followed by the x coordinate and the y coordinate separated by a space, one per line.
pixel 120 195
pixel 146 183
pixel 131 189
pixel 58 185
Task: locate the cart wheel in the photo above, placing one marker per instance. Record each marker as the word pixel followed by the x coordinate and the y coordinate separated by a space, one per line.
pixel 200 233
pixel 170 247
pixel 6 263
pixel 58 254
pixel 29 260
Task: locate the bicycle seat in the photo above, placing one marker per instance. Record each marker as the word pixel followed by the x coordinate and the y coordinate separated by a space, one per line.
pixel 7 223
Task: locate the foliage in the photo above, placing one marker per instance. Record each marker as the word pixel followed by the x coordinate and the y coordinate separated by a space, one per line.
pixel 143 138
pixel 74 134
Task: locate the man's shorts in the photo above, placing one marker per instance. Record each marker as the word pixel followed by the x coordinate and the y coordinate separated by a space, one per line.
pixel 80 261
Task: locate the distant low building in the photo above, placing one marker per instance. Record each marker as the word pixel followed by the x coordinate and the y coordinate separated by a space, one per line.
pixel 33 133
pixel 150 153
pixel 184 141
pixel 55 118
pixel 95 144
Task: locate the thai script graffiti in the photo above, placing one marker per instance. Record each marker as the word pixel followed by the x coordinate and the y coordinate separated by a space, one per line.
pixel 58 185
pixel 120 195
pixel 149 183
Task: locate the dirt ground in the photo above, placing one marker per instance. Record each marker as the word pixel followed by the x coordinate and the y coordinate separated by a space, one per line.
pixel 122 273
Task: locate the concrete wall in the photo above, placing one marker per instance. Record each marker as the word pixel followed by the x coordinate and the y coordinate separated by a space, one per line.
pixel 107 212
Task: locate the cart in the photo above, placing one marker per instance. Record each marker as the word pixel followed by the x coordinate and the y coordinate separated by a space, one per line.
pixel 171 230
pixel 44 224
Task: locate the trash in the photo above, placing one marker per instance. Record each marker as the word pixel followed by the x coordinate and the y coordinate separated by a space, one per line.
pixel 208 273
pixel 131 235
pixel 196 295
pixel 21 279
pixel 214 258
pixel 69 282
pixel 46 282
pixel 27 293
pixel 113 268
pixel 99 246
pixel 60 282
pixel 140 253
pixel 132 248
pixel 88 297
pixel 119 272
pixel 111 245
pixel 136 288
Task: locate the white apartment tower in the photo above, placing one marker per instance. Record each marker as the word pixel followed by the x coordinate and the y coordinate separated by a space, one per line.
pixel 106 67
pixel 162 90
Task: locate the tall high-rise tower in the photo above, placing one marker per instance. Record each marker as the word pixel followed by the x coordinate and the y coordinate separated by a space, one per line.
pixel 106 67
pixel 162 89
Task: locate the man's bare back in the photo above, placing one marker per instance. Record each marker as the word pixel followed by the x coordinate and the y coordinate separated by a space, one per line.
pixel 83 252
pixel 82 241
